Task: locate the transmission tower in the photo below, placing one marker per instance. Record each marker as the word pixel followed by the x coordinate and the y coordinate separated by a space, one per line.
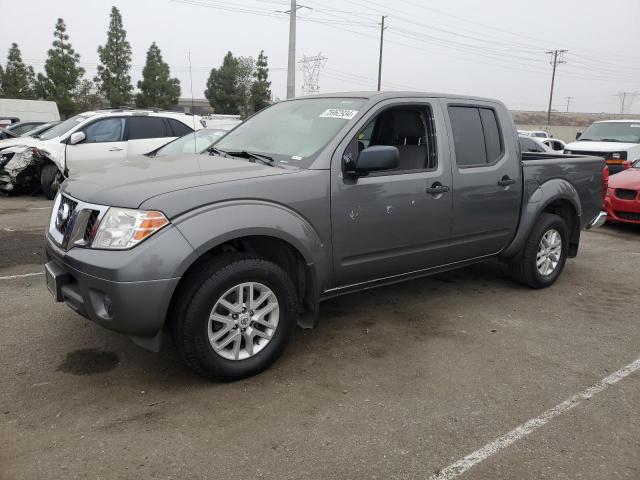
pixel 311 67
pixel 626 100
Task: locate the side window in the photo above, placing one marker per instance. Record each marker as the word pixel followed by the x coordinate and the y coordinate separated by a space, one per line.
pixel 104 131
pixel 147 127
pixel 476 136
pixel 179 129
pixel 492 139
pixel 410 129
pixel 468 137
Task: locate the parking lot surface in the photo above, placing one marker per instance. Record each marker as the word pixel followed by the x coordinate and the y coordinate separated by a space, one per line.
pixel 396 383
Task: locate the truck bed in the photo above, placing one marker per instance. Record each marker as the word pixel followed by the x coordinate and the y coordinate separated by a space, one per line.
pixel 581 171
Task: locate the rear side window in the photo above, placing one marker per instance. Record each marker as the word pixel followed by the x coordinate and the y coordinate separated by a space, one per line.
pixel 179 129
pixel 476 136
pixel 147 127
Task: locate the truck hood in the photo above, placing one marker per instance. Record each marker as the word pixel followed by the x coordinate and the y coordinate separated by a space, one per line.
pixel 626 179
pixel 130 182
pixel 599 146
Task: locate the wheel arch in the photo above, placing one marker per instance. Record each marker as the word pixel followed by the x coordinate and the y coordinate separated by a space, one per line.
pixel 557 196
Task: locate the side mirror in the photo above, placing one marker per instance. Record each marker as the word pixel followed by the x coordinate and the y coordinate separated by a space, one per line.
pixel 578 135
pixel 77 137
pixel 373 159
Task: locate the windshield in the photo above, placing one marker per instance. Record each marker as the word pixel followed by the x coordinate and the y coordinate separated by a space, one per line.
pixel 37 130
pixel 292 132
pixel 196 142
pixel 62 128
pixel 626 132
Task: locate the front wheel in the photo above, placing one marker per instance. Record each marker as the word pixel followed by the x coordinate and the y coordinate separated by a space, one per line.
pixel 542 259
pixel 234 317
pixel 50 180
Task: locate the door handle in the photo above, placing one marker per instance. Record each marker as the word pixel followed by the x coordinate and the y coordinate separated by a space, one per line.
pixel 506 181
pixel 116 149
pixel 437 189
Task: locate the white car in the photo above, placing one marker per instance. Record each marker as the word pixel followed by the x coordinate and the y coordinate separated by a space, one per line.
pixel 617 141
pixel 554 144
pixel 92 140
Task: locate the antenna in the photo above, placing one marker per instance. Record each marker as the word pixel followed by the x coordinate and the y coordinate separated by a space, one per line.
pixel 193 115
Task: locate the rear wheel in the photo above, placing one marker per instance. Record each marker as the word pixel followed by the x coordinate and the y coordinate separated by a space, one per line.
pixel 50 180
pixel 542 259
pixel 234 318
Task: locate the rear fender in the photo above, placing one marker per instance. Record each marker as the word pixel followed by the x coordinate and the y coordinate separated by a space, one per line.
pixel 541 198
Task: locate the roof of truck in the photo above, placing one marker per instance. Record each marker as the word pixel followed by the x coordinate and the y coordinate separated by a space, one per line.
pixel 397 94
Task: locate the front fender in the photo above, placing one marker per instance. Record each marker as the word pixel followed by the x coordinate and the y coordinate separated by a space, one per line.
pixel 208 227
pixel 550 191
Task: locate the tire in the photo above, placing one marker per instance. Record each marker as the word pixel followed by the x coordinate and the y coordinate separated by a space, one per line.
pixel 202 291
pixel 50 180
pixel 524 267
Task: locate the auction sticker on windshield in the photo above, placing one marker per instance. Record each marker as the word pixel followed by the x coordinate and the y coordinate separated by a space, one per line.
pixel 338 113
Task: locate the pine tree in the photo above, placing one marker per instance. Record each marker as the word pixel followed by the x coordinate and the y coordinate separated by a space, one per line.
pixel 63 72
pixel 157 88
pixel 222 87
pixel 18 80
pixel 1 74
pixel 261 87
pixel 113 78
pixel 86 96
pixel 244 81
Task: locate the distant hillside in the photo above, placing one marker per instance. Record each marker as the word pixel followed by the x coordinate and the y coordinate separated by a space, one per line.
pixel 566 119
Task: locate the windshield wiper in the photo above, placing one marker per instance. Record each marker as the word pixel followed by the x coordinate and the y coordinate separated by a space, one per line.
pixel 611 140
pixel 216 151
pixel 265 159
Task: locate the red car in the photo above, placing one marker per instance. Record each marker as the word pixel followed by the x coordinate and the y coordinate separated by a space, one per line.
pixel 622 202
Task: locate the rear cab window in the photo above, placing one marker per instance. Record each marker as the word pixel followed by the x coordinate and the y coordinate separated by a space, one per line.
pixel 476 136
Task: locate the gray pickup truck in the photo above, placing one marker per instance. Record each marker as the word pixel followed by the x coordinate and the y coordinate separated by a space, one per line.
pixel 309 199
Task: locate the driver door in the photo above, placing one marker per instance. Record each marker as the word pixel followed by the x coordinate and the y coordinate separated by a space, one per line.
pixel 103 144
pixel 388 223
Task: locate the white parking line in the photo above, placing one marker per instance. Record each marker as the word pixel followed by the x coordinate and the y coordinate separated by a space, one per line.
pixel 23 275
pixel 461 466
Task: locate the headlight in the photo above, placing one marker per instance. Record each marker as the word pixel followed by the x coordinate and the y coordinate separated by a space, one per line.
pixel 610 192
pixel 123 228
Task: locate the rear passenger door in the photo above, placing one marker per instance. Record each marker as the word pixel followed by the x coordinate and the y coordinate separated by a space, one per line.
pixel 487 183
pixel 146 133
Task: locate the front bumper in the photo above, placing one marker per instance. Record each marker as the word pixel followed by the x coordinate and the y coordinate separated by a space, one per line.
pixel 622 211
pixel 118 290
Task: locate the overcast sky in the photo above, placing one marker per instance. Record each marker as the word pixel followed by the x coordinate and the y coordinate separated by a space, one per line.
pixel 493 48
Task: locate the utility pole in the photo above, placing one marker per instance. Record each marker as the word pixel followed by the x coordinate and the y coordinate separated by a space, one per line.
pixel 380 57
pixel 291 64
pixel 568 99
pixel 556 59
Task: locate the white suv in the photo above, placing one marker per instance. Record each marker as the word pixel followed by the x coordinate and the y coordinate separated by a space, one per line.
pixel 94 139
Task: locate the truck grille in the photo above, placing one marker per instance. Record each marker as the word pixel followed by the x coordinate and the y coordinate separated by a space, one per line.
pixel 74 223
pixel 635 217
pixel 625 194
pixel 63 216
